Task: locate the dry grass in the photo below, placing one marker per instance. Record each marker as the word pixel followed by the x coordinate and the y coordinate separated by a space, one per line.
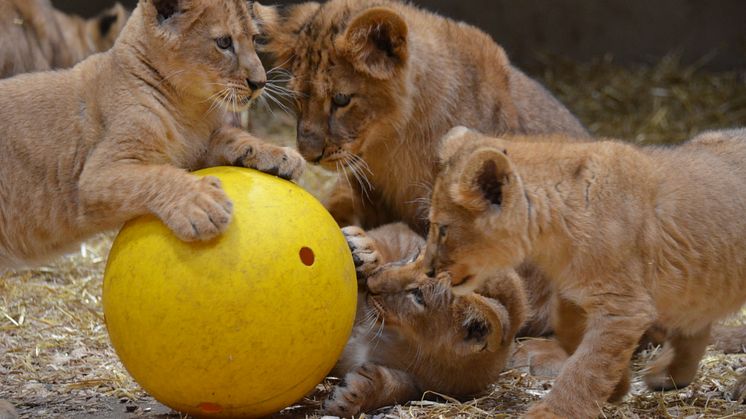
pixel 55 359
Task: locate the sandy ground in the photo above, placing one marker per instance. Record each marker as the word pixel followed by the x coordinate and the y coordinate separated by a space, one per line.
pixel 56 361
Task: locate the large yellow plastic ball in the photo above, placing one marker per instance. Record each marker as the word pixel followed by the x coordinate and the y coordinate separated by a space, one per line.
pixel 243 325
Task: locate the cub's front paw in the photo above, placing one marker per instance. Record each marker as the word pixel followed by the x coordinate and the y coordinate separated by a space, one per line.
pixel 349 396
pixel 202 213
pixel 278 161
pixel 365 252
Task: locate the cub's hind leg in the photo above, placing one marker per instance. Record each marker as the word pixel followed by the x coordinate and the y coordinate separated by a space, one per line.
pixel 676 367
pixel 370 387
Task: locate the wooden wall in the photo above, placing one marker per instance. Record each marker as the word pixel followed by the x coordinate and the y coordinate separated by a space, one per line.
pixel 633 31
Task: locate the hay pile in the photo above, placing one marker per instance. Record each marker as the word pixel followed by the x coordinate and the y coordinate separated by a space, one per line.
pixel 55 359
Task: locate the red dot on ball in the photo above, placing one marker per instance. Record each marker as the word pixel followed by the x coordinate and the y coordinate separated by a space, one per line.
pixel 307 256
pixel 210 407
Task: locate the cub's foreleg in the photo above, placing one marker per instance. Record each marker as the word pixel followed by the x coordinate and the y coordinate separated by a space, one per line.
pixel 350 206
pixel 390 244
pixel 235 147
pixel 193 208
pixel 616 319
pixel 370 387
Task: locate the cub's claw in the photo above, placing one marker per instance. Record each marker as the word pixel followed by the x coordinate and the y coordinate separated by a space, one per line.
pixel 349 396
pixel 283 162
pixel 200 214
pixel 365 254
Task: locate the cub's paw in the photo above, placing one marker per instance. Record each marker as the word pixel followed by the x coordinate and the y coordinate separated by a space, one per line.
pixel 7 411
pixel 541 410
pixel 541 357
pixel 349 396
pixel 365 252
pixel 656 374
pixel 202 213
pixel 663 382
pixel 738 391
pixel 283 162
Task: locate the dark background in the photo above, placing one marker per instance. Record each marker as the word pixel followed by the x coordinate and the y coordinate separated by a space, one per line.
pixel 632 31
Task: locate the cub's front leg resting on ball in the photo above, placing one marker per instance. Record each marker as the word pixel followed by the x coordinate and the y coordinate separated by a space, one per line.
pixel 230 146
pixel 616 321
pixel 193 208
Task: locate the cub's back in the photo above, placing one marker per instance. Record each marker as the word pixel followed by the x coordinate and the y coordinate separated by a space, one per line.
pixel 701 228
pixel 21 50
pixel 33 104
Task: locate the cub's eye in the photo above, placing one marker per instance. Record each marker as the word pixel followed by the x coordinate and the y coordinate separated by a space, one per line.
pixel 340 100
pixel 442 232
pixel 416 294
pixel 224 42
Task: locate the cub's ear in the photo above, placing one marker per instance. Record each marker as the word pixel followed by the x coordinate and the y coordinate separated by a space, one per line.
pixel 109 24
pixel 166 9
pixel 485 181
pixel 452 142
pixel 280 28
pixel 485 326
pixel 376 43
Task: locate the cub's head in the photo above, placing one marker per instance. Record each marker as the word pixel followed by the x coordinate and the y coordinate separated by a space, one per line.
pixel 205 49
pixel 439 335
pixel 348 62
pixel 479 210
pixel 104 29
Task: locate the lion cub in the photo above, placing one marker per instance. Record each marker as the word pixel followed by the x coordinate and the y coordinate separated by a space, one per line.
pixel 422 337
pixel 34 36
pixel 627 235
pixel 379 82
pixel 114 137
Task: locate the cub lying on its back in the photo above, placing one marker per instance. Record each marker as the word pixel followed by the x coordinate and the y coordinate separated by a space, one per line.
pixel 421 337
pixel 627 235
pixel 88 148
pixel 34 36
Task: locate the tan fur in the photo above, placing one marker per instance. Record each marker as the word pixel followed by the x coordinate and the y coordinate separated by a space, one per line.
pixel 88 148
pixel 34 36
pixel 628 236
pixel 7 411
pixel 412 75
pixel 538 357
pixel 422 338
pixel 729 339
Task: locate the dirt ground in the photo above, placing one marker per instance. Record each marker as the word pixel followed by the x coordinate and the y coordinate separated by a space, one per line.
pixel 55 357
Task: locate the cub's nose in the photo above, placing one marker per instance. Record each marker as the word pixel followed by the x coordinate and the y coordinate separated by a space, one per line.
pixel 310 145
pixel 255 85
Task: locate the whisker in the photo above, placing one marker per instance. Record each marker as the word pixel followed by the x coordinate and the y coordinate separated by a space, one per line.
pixel 279 104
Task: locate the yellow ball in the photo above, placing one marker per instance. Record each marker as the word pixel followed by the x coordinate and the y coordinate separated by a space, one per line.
pixel 243 325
